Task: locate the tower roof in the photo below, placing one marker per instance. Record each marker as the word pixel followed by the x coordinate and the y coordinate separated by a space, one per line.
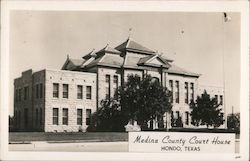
pixel 131 45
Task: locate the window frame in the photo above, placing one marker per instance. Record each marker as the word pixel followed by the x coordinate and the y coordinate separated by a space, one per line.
pixel 55 118
pixel 55 91
pixel 79 118
pixel 65 91
pixel 65 118
pixel 81 93
pixel 89 92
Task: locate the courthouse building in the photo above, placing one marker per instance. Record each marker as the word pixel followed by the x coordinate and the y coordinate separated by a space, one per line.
pixel 63 100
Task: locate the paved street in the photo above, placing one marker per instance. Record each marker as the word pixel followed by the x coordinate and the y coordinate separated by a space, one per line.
pixel 72 147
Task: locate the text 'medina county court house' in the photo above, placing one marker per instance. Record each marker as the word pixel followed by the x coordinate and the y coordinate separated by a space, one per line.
pixel 63 100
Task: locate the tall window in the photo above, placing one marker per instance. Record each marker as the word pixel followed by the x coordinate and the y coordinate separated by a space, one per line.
pixel 55 116
pixel 88 116
pixel 79 92
pixel 26 121
pixel 178 114
pixel 115 83
pixel 177 94
pixel 26 93
pixel 88 92
pixel 192 91
pixel 41 90
pixel 216 98
pixel 65 116
pixel 79 116
pixel 186 92
pixel 187 118
pixel 171 90
pixel 37 116
pixel 20 94
pixel 107 79
pixel 221 99
pixel 55 90
pixel 37 90
pixel 65 91
pixel 41 116
pixel 16 95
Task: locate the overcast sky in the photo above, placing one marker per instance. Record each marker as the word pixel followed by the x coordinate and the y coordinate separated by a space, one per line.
pixel 196 41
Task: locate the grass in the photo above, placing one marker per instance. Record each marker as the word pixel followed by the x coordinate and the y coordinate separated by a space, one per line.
pixel 88 136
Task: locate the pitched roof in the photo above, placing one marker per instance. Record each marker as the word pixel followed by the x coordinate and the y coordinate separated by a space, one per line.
pixel 73 63
pixel 108 49
pixel 90 54
pixel 177 70
pixel 131 45
pixel 107 59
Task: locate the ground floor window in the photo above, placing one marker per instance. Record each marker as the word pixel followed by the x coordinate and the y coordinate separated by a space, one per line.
pixel 65 116
pixel 79 116
pixel 88 116
pixel 55 116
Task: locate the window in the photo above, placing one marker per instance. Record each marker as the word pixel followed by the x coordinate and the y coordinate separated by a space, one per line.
pixel 26 93
pixel 192 91
pixel 88 116
pixel 178 114
pixel 26 121
pixel 186 92
pixel 221 99
pixel 65 90
pixel 177 100
pixel 20 94
pixel 187 118
pixel 65 116
pixel 107 78
pixel 55 90
pixel 171 89
pixel 37 116
pixel 216 98
pixel 115 80
pixel 55 116
pixel 88 92
pixel 79 92
pixel 16 95
pixel 37 90
pixel 79 116
pixel 108 88
pixel 107 93
pixel 41 90
pixel 41 116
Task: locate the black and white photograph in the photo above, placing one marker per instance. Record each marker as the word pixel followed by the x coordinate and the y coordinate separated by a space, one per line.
pixel 125 82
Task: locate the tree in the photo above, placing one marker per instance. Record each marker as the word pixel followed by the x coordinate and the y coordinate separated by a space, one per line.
pixel 144 99
pixel 233 121
pixel 108 117
pixel 206 111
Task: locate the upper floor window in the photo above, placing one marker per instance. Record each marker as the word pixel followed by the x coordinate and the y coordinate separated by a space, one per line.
pixel 20 94
pixel 221 99
pixel 26 93
pixel 216 98
pixel 37 90
pixel 55 90
pixel 65 90
pixel 115 80
pixel 171 89
pixel 107 78
pixel 177 94
pixel 192 91
pixel 186 92
pixel 88 92
pixel 79 92
pixel 41 90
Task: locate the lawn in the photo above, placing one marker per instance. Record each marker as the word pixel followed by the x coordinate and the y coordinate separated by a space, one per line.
pixel 50 137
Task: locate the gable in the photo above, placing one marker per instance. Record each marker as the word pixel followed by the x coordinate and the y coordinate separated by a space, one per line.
pixel 156 61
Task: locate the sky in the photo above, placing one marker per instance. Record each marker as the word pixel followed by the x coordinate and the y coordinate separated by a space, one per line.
pixel 196 41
